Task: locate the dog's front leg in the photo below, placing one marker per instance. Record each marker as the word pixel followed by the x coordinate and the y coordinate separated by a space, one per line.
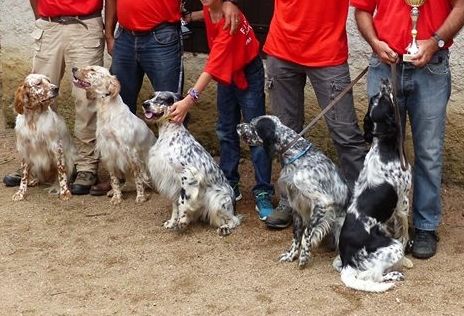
pixel 172 222
pixel 404 230
pixel 292 253
pixel 65 194
pixel 117 194
pixel 139 177
pixel 19 195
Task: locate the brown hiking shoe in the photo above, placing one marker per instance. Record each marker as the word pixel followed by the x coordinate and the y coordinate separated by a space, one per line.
pixel 83 183
pixel 280 217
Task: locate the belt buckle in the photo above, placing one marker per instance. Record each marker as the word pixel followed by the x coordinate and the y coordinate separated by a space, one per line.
pixel 63 20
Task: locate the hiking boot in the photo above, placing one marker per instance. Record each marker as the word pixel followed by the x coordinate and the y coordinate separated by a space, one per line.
pixel 13 179
pixel 281 217
pixel 263 205
pixel 83 183
pixel 237 193
pixel 100 189
pixel 425 244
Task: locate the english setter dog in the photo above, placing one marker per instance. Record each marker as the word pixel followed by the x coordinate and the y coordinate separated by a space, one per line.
pixel 317 193
pixel 375 232
pixel 42 138
pixel 123 139
pixel 183 171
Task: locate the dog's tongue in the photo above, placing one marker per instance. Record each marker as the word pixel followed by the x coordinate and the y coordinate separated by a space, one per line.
pixel 149 115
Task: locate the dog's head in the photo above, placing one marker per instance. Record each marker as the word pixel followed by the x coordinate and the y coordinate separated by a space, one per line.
pixel 265 130
pixel 36 93
pixel 97 82
pixel 380 120
pixel 158 107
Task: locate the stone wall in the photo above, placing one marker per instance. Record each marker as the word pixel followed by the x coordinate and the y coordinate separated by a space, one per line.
pixel 17 22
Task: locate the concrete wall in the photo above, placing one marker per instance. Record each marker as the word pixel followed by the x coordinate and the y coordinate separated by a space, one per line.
pixel 17 22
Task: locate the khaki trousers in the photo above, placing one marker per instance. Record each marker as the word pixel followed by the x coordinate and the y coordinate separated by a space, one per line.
pixel 58 48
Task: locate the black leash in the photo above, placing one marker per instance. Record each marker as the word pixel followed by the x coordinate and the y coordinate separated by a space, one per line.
pixel 327 108
pixel 400 136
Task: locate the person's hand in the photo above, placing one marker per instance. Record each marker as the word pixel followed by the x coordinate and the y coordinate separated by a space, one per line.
pixel 109 44
pixel 426 50
pixel 180 109
pixel 232 16
pixel 385 53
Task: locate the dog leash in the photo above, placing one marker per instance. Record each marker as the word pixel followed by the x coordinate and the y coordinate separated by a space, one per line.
pixel 400 136
pixel 327 108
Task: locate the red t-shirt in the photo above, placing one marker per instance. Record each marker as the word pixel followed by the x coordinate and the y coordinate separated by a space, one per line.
pixel 229 54
pixel 55 8
pixel 310 33
pixel 393 24
pixel 144 15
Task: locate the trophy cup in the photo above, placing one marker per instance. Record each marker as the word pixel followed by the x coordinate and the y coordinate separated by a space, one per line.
pixel 412 48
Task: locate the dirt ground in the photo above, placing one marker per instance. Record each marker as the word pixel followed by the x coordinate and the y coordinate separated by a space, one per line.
pixel 86 257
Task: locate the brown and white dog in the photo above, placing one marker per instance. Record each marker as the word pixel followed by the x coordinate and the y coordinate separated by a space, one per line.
pixel 42 138
pixel 123 139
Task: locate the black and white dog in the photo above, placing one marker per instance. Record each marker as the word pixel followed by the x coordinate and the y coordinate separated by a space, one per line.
pixel 375 232
pixel 183 171
pixel 316 191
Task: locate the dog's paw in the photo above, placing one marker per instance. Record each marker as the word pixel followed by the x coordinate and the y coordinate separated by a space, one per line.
pixel 32 182
pixel 65 195
pixel 303 261
pixel 337 264
pixel 288 256
pixel 407 263
pixel 18 196
pixel 393 276
pixel 110 193
pixel 170 224
pixel 224 230
pixel 141 198
pixel 183 222
pixel 116 200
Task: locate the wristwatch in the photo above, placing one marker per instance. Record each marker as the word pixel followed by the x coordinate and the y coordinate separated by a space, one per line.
pixel 440 41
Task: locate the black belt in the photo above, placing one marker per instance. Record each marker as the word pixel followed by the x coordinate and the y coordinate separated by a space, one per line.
pixel 71 19
pixel 149 32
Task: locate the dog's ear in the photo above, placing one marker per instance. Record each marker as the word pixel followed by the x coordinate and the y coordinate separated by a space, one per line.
pixel 266 129
pixel 368 124
pixel 114 86
pixel 20 99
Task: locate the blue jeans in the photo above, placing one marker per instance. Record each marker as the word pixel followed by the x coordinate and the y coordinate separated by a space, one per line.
pixel 232 103
pixel 157 54
pixel 423 94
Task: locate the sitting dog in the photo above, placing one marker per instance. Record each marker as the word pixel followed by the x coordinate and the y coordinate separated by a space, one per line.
pixel 317 193
pixel 123 139
pixel 42 138
pixel 375 232
pixel 183 171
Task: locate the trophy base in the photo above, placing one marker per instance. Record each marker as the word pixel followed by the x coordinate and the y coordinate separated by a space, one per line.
pixel 408 57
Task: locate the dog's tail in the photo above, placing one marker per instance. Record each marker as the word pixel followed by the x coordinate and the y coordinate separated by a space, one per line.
pixel 349 277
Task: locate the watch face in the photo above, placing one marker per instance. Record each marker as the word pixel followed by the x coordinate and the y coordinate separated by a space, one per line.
pixel 441 43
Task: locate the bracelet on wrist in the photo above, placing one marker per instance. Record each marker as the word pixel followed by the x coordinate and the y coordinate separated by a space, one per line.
pixel 194 94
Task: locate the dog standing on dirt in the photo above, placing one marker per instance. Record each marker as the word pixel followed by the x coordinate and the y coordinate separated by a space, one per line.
pixel 375 231
pixel 42 138
pixel 317 193
pixel 183 171
pixel 123 139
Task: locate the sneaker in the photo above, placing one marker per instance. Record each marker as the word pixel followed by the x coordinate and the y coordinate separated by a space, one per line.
pixel 13 179
pixel 237 193
pixel 425 244
pixel 263 205
pixel 281 217
pixel 83 183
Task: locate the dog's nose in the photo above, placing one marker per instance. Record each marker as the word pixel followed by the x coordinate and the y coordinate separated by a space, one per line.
pixel 74 69
pixel 146 104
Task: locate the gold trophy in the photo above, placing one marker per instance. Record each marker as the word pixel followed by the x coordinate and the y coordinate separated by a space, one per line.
pixel 413 48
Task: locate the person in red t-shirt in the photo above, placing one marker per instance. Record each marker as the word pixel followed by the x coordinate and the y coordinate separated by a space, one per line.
pixel 307 39
pixel 423 90
pixel 70 35
pixel 235 64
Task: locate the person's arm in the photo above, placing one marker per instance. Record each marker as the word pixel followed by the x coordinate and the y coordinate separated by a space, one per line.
pixel 110 24
pixel 365 23
pixel 179 109
pixel 447 31
pixel 34 8
pixel 194 16
pixel 231 16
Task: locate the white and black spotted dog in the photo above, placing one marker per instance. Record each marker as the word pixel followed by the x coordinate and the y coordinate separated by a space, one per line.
pixel 183 171
pixel 375 232
pixel 316 191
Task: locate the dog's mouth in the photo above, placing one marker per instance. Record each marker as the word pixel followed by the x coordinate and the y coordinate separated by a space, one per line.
pixel 150 115
pixel 80 83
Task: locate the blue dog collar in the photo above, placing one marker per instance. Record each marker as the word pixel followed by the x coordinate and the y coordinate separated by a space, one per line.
pixel 299 155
